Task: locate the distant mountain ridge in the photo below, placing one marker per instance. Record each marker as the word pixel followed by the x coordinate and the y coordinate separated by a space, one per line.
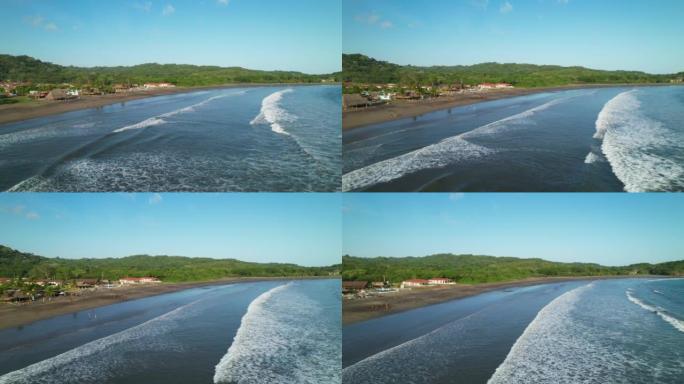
pixel 358 68
pixel 481 269
pixel 29 69
pixel 16 264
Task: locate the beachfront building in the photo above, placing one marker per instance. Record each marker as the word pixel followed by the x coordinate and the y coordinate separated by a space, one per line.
pixel 354 286
pixel 414 283
pixel 354 101
pixel 494 85
pixel 440 281
pixel 60 94
pixel 138 280
pixel 158 85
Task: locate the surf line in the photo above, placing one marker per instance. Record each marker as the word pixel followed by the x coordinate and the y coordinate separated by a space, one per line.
pixel 450 150
pixel 273 113
pixel 159 119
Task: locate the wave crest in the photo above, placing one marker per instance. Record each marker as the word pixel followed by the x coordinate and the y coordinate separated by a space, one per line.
pixel 272 113
pixel 633 144
pixel 281 340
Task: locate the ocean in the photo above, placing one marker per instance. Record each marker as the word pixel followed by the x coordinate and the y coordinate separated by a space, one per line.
pixel 283 138
pixel 240 333
pixel 599 139
pixel 604 331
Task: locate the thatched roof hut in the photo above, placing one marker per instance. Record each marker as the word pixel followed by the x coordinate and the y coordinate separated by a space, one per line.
pixel 354 101
pixel 57 94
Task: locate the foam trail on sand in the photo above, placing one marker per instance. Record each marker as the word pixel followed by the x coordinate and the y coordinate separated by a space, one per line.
pixel 448 151
pixel 281 340
pixel 158 120
pixel 272 113
pixel 678 324
pixel 633 144
pixel 90 362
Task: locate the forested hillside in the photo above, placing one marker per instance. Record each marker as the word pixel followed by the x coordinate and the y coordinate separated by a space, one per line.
pixel 358 68
pixel 481 269
pixel 16 264
pixel 28 69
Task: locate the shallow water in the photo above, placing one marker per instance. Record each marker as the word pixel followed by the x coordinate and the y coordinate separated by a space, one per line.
pixel 180 337
pixel 233 139
pixel 602 139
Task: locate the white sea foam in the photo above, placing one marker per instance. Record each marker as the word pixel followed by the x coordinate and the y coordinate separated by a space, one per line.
pixel 448 151
pixel 633 143
pixel 539 349
pixel 678 324
pixel 592 158
pixel 158 120
pixel 89 362
pixel 281 340
pixel 272 113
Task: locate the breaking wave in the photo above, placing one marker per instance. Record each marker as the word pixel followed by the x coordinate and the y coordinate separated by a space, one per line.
pixel 92 361
pixel 633 144
pixel 678 324
pixel 158 120
pixel 541 348
pixel 448 151
pixel 281 340
pixel 272 113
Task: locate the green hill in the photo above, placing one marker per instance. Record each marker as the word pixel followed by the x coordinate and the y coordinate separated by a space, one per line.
pixel 16 264
pixel 357 68
pixel 28 69
pixel 482 269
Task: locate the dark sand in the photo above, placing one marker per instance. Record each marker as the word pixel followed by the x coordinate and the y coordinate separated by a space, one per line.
pixel 357 310
pixel 14 315
pixel 39 108
pixel 399 109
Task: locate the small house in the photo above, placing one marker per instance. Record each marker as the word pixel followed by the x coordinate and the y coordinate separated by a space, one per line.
pixel 414 283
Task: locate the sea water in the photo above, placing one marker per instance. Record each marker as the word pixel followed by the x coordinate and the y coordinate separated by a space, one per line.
pixel 600 139
pixel 201 335
pixel 234 139
pixel 616 331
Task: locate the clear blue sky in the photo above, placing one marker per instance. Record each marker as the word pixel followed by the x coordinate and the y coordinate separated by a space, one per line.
pixel 302 35
pixel 301 228
pixel 610 229
pixel 603 34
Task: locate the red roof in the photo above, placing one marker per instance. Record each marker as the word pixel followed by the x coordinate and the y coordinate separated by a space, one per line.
pixel 416 281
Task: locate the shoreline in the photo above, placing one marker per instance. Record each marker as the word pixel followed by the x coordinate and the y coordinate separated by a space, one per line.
pixel 405 109
pixel 359 310
pixel 12 113
pixel 19 315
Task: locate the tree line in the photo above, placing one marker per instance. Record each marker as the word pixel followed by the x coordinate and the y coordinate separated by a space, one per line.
pixel 17 265
pixel 28 69
pixel 471 269
pixel 357 68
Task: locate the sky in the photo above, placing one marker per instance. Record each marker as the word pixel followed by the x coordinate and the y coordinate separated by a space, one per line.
pixel 301 228
pixel 643 35
pixel 605 228
pixel 300 35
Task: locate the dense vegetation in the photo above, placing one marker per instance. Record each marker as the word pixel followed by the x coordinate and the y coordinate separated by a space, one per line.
pixel 28 69
pixel 16 264
pixel 358 68
pixel 482 269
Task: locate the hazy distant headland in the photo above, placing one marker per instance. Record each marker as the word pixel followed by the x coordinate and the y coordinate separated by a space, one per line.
pixel 357 68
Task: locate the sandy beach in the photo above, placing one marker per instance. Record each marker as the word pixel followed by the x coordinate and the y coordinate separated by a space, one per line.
pixel 399 109
pixel 357 310
pixel 15 315
pixel 38 108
